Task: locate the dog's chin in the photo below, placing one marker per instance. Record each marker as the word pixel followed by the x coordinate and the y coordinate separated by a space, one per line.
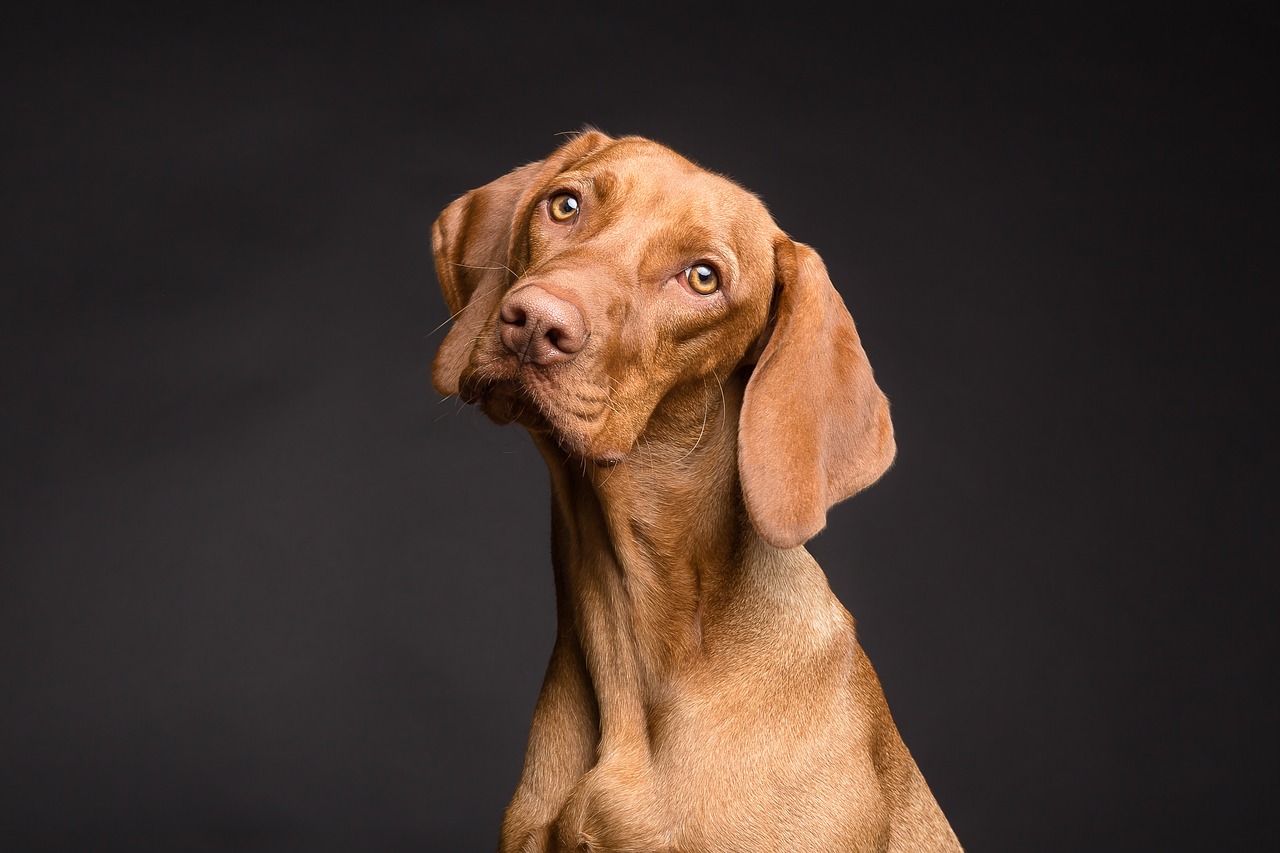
pixel 508 401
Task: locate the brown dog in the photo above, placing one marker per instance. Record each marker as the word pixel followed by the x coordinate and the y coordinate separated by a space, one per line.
pixel 698 390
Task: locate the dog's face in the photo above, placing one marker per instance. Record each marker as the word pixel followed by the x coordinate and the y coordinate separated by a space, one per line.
pixel 638 272
pixel 604 294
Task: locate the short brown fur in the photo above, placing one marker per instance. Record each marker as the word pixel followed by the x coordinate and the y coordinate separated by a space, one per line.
pixel 706 691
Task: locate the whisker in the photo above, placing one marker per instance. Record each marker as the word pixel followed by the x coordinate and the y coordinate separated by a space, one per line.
pixel 500 266
pixel 608 392
pixel 706 407
pixel 458 313
pixel 724 407
pixel 456 409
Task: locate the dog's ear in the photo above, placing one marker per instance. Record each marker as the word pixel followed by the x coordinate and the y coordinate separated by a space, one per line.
pixel 476 241
pixel 815 427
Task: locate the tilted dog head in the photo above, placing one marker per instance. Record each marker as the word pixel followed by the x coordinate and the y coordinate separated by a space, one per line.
pixel 589 287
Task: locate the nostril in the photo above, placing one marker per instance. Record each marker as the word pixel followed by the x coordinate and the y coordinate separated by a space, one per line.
pixel 514 315
pixel 570 335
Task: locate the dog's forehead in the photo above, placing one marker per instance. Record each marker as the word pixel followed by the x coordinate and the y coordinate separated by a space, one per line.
pixel 652 177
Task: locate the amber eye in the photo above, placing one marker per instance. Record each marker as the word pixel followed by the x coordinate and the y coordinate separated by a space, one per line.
pixel 563 207
pixel 702 279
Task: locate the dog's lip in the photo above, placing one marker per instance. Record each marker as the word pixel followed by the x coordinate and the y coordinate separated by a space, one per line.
pixel 485 393
pixel 540 414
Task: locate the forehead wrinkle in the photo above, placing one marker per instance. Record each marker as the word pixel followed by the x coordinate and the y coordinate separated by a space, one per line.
pixel 687 240
pixel 577 178
pixel 602 184
pixel 676 244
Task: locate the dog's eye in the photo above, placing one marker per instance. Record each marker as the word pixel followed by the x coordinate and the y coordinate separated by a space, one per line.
pixel 563 207
pixel 702 279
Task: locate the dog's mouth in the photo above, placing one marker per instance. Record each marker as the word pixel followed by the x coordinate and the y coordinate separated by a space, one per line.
pixel 572 418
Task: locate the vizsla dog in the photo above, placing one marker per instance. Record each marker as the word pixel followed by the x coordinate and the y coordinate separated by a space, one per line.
pixel 697 388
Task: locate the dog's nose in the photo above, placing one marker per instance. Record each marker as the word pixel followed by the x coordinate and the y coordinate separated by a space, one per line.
pixel 541 328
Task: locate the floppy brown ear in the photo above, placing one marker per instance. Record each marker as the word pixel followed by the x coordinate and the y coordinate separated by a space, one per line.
pixel 474 241
pixel 815 427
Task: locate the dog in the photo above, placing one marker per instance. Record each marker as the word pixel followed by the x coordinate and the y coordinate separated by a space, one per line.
pixel 701 398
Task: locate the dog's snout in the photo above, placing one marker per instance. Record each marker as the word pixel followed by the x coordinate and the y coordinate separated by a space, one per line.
pixel 541 328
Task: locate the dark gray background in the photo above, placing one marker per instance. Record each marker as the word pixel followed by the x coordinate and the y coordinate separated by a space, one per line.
pixel 262 591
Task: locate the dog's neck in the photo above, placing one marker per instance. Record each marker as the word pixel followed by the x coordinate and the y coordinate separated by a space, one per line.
pixel 644 549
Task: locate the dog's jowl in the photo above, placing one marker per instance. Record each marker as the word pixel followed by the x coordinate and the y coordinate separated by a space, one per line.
pixel 701 398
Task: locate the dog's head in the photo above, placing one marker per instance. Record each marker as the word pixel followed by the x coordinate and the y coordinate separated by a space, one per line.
pixel 594 287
